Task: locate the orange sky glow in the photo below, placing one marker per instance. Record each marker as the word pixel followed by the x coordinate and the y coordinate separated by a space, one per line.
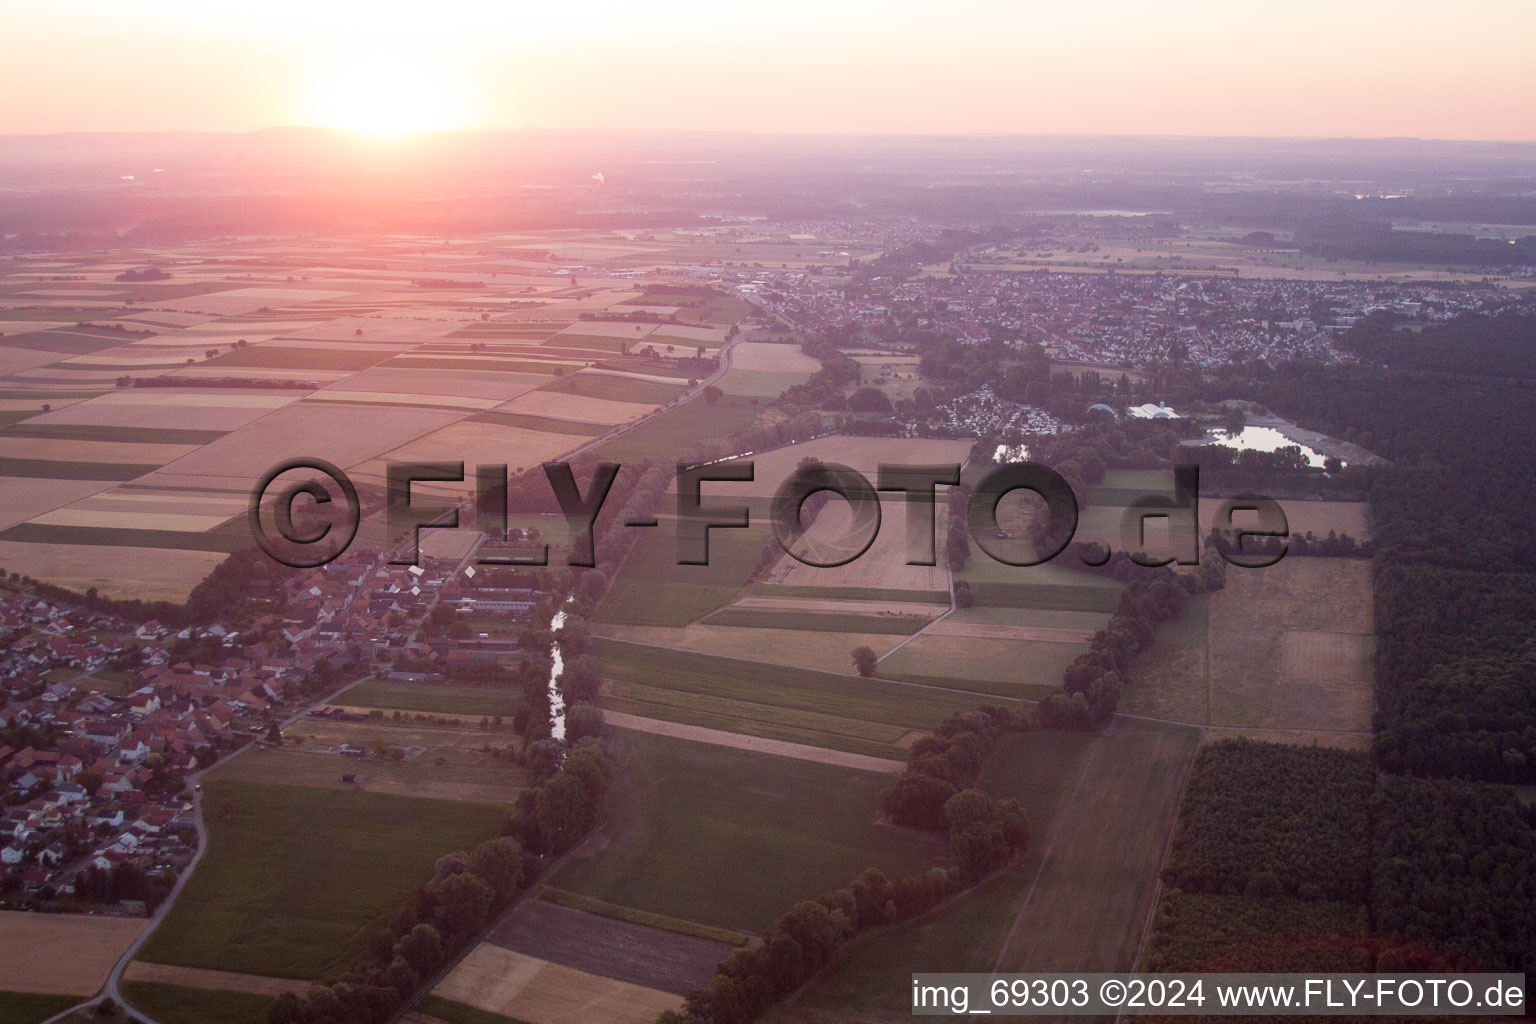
pixel 1178 67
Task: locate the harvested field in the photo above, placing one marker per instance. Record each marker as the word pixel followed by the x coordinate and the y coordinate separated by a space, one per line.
pixel 609 948
pixel 28 497
pixel 61 954
pixel 309 357
pixel 473 443
pixel 129 519
pixel 171 407
pixel 385 380
pixel 528 989
pixel 150 574
pixel 341 434
pixel 759 356
pixel 577 407
pixel 607 329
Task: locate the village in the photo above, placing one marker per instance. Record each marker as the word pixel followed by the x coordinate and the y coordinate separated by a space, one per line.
pixel 104 720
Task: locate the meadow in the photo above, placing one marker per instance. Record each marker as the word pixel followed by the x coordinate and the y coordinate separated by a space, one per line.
pixel 733 839
pixel 277 895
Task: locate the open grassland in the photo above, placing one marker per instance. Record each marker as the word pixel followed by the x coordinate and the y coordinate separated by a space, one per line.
pixel 445 763
pixel 1284 649
pixel 771 700
pixel 294 873
pixel 444 698
pixel 61 954
pixel 1100 809
pixel 733 839
pixel 176 1004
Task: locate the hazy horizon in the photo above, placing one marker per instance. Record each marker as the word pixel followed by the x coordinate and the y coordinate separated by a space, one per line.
pixel 1364 69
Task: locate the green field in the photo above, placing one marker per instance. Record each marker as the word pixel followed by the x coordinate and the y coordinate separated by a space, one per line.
pixel 1100 809
pixel 175 1004
pixel 31 1007
pixel 820 708
pixel 217 539
pixel 451 1012
pixel 482 365
pixel 442 699
pixel 853 594
pixel 1006 668
pixel 300 358
pixel 56 469
pixel 651 589
pixel 734 839
pixel 820 622
pixel 293 874
pixel 676 433
pixel 545 424
pixel 67 340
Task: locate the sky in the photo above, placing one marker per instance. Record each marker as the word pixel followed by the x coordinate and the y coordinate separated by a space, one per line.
pixel 1362 68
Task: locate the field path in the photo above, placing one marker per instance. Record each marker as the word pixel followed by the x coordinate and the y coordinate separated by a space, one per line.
pixel 755 744
pixel 950 575
pixel 218 981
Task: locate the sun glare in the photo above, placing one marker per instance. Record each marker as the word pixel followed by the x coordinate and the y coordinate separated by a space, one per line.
pixel 388 98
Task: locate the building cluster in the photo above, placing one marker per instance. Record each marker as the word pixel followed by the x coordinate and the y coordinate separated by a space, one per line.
pixel 102 720
pixel 1111 319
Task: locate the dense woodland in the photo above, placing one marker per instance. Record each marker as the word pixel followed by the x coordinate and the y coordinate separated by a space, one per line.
pixel 1294 858
pixel 1455 547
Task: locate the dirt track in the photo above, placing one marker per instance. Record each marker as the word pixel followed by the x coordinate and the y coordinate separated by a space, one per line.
pixel 756 744
pixel 219 981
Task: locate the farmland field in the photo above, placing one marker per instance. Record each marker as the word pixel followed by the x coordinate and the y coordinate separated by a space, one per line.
pixel 729 838
pixel 176 1004
pixel 514 986
pixel 61 954
pixel 275 895
pixel 843 712
pixel 437 761
pixel 1281 650
pixel 1100 809
pixel 443 698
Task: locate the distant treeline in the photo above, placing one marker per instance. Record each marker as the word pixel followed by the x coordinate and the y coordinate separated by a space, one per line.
pixel 1455 575
pixel 1498 346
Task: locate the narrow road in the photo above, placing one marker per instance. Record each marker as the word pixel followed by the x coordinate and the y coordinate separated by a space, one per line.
pixel 110 989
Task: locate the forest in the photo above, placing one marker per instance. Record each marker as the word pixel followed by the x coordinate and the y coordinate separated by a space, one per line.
pixel 1295 858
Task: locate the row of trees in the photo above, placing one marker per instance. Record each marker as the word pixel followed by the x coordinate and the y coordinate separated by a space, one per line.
pixel 1090 685
pixel 442 918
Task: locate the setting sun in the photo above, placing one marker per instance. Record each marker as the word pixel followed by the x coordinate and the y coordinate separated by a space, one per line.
pixel 389 97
